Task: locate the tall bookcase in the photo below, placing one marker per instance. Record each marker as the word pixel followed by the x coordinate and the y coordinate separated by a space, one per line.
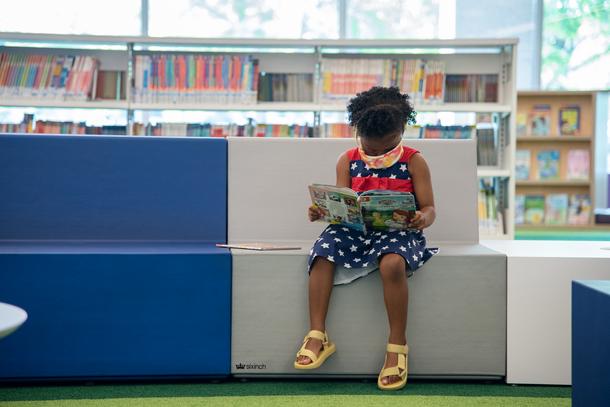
pixel 467 56
pixel 531 104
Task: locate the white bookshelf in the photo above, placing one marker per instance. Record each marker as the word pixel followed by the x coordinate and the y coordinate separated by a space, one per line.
pixel 462 56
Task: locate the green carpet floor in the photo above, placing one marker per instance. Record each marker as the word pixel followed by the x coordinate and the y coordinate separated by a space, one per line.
pixel 285 392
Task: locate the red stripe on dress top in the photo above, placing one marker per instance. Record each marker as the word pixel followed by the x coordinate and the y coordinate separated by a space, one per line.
pixel 361 184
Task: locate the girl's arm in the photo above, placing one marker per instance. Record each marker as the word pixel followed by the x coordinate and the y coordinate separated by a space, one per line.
pixel 343 178
pixel 422 183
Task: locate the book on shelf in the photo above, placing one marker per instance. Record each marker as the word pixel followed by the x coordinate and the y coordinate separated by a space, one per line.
pixel 109 85
pixel 487 149
pixel 553 209
pixel 222 130
pixel 569 120
pixel 490 210
pixel 522 164
pixel 519 209
pixel 341 79
pixel 336 130
pixel 534 209
pixel 475 88
pixel 548 164
pixel 539 120
pixel 285 87
pixel 195 78
pixel 521 124
pixel 579 211
pixel 556 209
pixel 371 210
pixel 578 164
pixel 29 125
pixel 46 77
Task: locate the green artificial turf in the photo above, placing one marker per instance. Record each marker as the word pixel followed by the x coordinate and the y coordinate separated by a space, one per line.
pixel 284 392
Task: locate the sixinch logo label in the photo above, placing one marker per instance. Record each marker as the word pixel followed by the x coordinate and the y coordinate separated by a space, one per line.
pixel 243 366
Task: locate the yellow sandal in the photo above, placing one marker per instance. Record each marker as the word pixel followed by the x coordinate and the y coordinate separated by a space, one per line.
pixel 328 348
pixel 398 370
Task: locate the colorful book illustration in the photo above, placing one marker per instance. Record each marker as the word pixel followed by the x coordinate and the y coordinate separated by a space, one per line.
pixel 371 210
pixel 579 211
pixel 556 209
pixel 519 209
pixel 569 121
pixel 534 209
pixel 522 164
pixel 539 122
pixel 578 164
pixel 548 164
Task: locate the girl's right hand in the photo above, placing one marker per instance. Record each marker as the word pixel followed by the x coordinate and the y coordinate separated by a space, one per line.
pixel 314 213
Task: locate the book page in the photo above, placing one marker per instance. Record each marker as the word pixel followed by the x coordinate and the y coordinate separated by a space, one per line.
pixel 337 205
pixel 387 210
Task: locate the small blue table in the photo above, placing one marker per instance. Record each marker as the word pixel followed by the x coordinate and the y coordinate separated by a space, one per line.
pixel 590 343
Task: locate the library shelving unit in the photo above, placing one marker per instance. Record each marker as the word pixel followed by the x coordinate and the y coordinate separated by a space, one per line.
pixel 461 57
pixel 529 105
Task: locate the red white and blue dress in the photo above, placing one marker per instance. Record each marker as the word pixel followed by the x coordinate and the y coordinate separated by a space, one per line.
pixel 355 253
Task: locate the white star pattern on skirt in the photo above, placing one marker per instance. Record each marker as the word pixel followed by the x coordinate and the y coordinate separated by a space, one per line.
pixel 356 254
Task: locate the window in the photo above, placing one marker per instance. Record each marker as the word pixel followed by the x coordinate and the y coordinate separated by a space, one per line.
pixel 397 19
pixel 576 44
pixel 244 18
pixel 108 17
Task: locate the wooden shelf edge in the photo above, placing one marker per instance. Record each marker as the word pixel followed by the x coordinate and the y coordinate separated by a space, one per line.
pixel 560 183
pixel 555 138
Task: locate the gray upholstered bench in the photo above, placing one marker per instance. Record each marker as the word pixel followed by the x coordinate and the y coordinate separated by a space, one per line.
pixel 457 308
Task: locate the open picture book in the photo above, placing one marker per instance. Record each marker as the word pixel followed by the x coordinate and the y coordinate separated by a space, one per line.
pixel 371 210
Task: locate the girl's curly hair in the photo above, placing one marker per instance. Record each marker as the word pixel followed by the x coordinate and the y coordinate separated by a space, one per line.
pixel 379 111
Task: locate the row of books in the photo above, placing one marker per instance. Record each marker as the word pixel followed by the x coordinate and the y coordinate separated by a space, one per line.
pixel 56 77
pixel 285 87
pixel 439 132
pixel 491 211
pixel 341 79
pixel 57 127
pixel 548 164
pixel 342 130
pixel 487 147
pixel 199 78
pixel 195 78
pixel 471 89
pixel 552 209
pixel 228 130
pixel 538 121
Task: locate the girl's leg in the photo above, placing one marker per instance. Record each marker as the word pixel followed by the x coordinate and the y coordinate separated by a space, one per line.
pixel 320 287
pixel 396 297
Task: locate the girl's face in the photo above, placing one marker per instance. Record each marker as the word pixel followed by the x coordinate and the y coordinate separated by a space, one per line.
pixel 375 146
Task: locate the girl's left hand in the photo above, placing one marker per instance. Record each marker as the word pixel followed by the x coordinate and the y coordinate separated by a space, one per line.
pixel 419 221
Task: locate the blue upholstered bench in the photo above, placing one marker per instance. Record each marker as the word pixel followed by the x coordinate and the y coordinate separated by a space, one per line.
pixel 108 244
pixel 590 343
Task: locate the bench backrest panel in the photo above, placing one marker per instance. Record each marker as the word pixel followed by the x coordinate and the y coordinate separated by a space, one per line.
pixel 268 180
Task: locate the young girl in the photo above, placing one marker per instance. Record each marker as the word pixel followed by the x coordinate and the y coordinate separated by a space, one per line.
pixel 341 255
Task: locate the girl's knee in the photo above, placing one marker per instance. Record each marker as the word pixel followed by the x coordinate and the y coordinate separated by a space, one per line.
pixel 392 266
